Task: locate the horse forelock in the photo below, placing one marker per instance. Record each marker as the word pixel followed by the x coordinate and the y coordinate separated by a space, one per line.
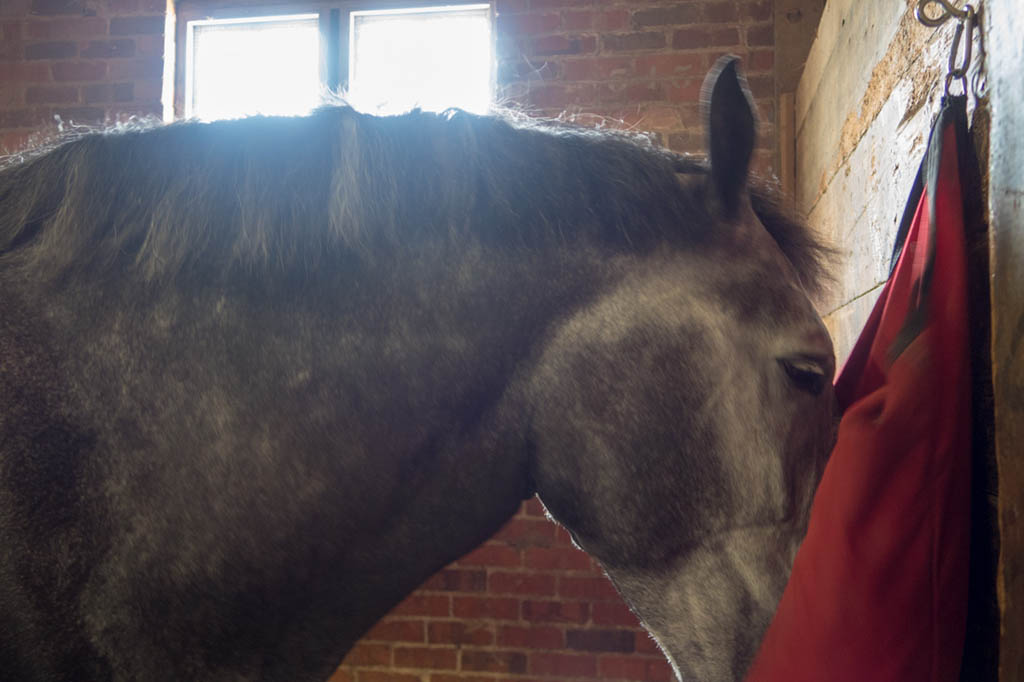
pixel 284 192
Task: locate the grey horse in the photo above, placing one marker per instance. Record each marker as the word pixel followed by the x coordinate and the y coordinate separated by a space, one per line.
pixel 261 378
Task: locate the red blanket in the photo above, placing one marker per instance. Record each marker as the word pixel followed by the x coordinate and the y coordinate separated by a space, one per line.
pixel 879 587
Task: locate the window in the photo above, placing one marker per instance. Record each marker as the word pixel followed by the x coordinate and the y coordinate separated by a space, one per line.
pixel 433 58
pixel 381 61
pixel 264 65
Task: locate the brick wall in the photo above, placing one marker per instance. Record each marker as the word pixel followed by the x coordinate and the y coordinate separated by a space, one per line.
pixel 634 64
pixel 67 62
pixel 526 605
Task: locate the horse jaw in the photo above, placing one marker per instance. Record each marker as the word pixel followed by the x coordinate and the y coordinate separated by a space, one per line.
pixel 709 612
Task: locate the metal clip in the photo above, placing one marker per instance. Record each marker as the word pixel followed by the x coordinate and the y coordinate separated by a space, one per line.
pixel 959 71
pixel 949 11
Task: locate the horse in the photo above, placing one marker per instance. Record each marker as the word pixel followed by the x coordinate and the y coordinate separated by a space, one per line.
pixel 261 378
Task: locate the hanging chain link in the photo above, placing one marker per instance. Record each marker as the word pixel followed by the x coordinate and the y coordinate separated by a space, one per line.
pixel 966 18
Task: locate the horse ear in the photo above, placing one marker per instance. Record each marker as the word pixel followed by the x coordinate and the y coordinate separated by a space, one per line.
pixel 731 123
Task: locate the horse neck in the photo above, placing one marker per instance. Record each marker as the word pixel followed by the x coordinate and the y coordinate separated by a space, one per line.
pixel 332 426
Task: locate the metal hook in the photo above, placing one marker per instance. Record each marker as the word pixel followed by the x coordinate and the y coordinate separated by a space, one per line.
pixel 959 71
pixel 949 11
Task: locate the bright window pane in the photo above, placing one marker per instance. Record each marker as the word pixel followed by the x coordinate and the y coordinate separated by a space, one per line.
pixel 267 65
pixel 433 58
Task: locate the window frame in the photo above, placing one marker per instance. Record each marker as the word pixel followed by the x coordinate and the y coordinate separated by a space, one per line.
pixel 334 20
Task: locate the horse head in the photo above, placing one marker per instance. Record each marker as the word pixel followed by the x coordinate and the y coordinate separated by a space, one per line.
pixel 682 421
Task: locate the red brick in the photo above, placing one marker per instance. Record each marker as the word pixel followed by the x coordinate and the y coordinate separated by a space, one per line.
pixel 659 671
pixel 491 555
pixel 563 665
pixel 650 91
pixel 595 68
pixel 126 92
pixel 542 584
pixel 760 34
pixel 623 667
pixel 608 613
pixel 341 675
pixel 109 49
pixel 130 26
pixel 51 94
pixel 11 95
pixel 98 93
pixel 761 60
pixel 693 38
pixel 555 611
pixel 596 589
pixel 578 20
pixel 549 46
pixel 25 73
pixel 532 637
pixel 466 677
pixel 513 662
pixel 423 605
pixel 721 12
pixel 756 10
pixel 423 657
pixel 670 65
pixel 368 654
pixel 686 141
pixel 10 50
pixel 612 20
pixel 77 28
pixel 645 644
pixel 685 90
pixel 523 532
pixel 552 4
pixel 621 42
pixel 499 608
pixel 557 558
pixel 13 142
pixel 457 580
pixel 562 536
pixel 51 50
pixel 762 86
pixel 131 69
pixel 79 71
pixel 532 23
pixel 621 641
pixel 397 631
pixel 454 632
pixel 21 118
pixel 149 46
pixel 379 676
pixel 533 507
pixel 53 7
pixel 673 15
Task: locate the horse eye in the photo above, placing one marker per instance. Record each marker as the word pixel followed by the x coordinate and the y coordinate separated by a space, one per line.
pixel 807 374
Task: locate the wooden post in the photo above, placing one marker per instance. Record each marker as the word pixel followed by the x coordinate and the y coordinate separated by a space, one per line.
pixel 1003 27
pixel 787 145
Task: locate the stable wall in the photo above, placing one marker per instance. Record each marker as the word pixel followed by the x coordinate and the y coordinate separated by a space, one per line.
pixel 870 89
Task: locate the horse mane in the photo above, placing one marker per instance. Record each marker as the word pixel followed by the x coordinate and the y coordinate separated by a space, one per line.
pixel 286 191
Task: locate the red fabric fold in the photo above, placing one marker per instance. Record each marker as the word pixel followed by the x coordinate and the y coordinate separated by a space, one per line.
pixel 878 591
